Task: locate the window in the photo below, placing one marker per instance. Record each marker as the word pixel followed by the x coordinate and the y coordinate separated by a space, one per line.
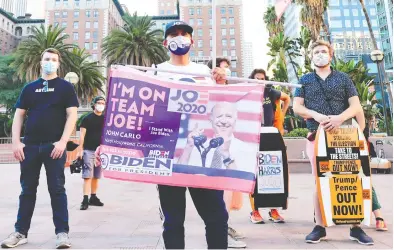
pixel 334 2
pixel 336 24
pixel 224 42
pixel 224 53
pixel 57 14
pixel 65 2
pixel 87 13
pixel 233 64
pixel 347 24
pixel 76 3
pixel 232 31
pixel 76 25
pixel 198 11
pixel 88 2
pixel 335 13
pixel 87 35
pixel 346 12
pixel 350 46
pixel 199 21
pixel 231 20
pixel 191 22
pixel 231 10
pixel 75 36
pixel 76 14
pixel 223 10
pixel 199 43
pixel 64 24
pixel 356 23
pixel 95 25
pixel 57 2
pixel 223 20
pixel 365 23
pixel 191 11
pixel 199 32
pixel 87 25
pixel 210 43
pixel 95 34
pixel 224 32
pixel 94 46
pixel 64 13
pixel 95 13
pixel 169 12
pixel 210 32
pixel 372 11
pixel 168 4
pixel 161 12
pixel 87 45
pixel 374 23
pixel 233 52
pixel 210 12
pixel 232 42
pixel 355 12
pixel 200 53
pixel 192 53
pixel 210 21
pixel 96 2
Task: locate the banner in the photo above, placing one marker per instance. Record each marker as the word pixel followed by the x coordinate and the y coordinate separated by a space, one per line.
pixel 270 173
pixel 181 134
pixel 343 175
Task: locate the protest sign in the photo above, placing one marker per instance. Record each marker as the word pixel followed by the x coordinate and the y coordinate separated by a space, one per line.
pixel 270 172
pixel 181 134
pixel 343 175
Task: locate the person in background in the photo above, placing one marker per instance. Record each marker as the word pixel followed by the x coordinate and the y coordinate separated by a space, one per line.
pixel 50 104
pixel 271 106
pixel 91 130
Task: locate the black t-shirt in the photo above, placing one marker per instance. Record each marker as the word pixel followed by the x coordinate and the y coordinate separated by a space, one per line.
pixel 270 97
pixel 46 103
pixel 94 127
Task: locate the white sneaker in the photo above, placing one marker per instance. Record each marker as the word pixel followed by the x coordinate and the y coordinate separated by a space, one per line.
pixel 236 235
pixel 13 240
pixel 62 241
pixel 233 243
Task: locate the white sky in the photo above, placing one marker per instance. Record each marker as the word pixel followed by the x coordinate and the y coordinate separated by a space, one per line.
pixel 254 29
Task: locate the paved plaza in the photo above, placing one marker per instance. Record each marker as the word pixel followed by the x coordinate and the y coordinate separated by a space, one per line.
pixel 130 217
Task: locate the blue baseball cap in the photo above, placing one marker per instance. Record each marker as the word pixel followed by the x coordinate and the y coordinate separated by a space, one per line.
pixel 177 25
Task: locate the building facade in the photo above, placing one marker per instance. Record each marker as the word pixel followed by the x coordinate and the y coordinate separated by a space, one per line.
pixel 384 10
pixel 247 59
pixel 167 7
pixel 87 22
pixel 20 7
pixel 14 30
pixel 229 30
pixel 7 5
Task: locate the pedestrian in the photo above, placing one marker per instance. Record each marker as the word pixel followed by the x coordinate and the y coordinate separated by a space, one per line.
pixel 91 130
pixel 271 106
pixel 50 104
pixel 327 98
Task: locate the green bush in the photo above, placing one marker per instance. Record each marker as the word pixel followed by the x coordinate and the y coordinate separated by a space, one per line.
pixel 298 132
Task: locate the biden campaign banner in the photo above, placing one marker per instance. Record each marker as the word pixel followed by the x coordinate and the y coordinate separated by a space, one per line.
pixel 189 134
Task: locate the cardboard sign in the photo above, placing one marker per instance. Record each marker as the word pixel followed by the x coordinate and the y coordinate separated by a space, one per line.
pixel 270 173
pixel 343 176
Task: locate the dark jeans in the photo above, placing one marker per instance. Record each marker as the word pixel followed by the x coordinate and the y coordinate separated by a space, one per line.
pixel 210 206
pixel 35 156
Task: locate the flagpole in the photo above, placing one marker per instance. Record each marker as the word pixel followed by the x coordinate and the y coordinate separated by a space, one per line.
pixel 236 79
pixel 213 56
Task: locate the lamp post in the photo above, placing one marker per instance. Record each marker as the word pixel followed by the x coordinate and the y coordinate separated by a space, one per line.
pixel 72 77
pixel 377 57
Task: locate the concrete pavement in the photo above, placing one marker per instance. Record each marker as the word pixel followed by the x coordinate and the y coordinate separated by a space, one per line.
pixel 130 217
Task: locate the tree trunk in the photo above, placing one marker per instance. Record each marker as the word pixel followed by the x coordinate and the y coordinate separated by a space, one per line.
pixel 375 45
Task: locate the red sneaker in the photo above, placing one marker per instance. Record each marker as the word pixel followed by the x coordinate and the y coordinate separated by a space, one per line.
pixel 275 216
pixel 381 225
pixel 256 218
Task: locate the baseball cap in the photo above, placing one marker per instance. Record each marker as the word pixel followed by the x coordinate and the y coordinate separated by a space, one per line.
pixel 177 25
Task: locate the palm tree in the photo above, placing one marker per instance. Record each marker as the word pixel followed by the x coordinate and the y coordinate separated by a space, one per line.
pixel 312 16
pixel 91 79
pixel 375 44
pixel 135 43
pixel 280 46
pixel 28 53
pixel 270 19
pixel 304 42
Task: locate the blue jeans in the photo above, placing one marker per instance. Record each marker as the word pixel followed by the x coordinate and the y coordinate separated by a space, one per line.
pixel 210 206
pixel 35 156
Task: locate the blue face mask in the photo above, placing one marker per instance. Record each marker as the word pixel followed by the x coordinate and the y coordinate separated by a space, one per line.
pixel 49 67
pixel 179 45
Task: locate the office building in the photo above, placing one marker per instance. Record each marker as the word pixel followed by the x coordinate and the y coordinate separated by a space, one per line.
pixel 247 59
pixel 384 9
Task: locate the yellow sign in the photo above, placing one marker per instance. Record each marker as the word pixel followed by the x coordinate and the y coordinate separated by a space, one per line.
pixel 347 199
pixel 343 138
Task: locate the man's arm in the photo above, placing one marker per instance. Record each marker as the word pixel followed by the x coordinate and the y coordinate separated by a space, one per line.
pixel 17 145
pixel 286 102
pixel 360 118
pixel 336 120
pixel 81 141
pixel 68 129
pixel 300 109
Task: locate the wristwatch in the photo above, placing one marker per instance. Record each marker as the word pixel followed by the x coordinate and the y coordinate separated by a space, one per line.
pixel 228 161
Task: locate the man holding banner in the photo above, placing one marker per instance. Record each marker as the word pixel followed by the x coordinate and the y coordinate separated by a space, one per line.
pixel 209 203
pixel 311 103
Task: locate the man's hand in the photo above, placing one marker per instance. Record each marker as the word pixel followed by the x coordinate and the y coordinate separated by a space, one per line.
pixel 320 118
pixel 333 122
pixel 219 75
pixel 17 149
pixel 58 150
pixel 80 153
pixel 225 149
pixel 97 160
pixel 195 132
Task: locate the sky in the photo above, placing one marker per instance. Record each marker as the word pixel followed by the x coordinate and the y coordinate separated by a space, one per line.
pixel 254 28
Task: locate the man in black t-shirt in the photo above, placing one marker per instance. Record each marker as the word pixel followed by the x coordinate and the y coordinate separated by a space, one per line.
pixel 91 130
pixel 50 104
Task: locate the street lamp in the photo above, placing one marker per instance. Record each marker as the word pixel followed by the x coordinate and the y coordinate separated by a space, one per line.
pixel 72 77
pixel 377 57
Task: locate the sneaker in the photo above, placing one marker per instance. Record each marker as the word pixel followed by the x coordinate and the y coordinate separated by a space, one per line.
pixel 94 201
pixel 318 233
pixel 275 216
pixel 256 218
pixel 234 234
pixel 381 225
pixel 84 205
pixel 233 243
pixel 13 240
pixel 357 234
pixel 62 241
